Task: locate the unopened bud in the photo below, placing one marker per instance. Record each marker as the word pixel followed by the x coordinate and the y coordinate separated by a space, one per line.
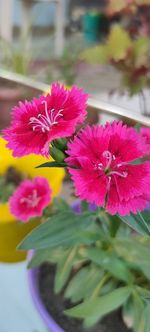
pixel 57 154
pixel 60 143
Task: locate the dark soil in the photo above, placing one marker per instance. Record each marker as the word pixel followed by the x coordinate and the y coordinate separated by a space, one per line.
pixel 56 304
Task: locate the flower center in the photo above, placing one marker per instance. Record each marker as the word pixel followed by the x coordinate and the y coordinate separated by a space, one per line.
pixel 109 168
pixel 32 200
pixel 45 122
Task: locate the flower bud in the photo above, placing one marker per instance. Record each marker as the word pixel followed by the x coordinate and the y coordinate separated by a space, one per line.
pixel 60 144
pixel 57 154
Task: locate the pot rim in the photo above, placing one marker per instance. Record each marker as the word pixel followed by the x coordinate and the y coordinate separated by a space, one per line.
pixel 32 276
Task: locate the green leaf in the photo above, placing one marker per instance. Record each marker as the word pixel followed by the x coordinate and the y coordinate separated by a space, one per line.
pixel 144 292
pixel 52 164
pixel 145 218
pixel 46 255
pixel 39 257
pixel 138 307
pixel 64 268
pixel 118 43
pixel 62 229
pixel 109 262
pixel 136 252
pixel 144 325
pixel 114 224
pixel 55 164
pixel 83 284
pixel 94 309
pixel 147 318
pixel 127 312
pixel 136 223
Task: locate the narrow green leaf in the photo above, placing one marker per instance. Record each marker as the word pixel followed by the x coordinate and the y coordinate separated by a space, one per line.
pixel 46 255
pixel 114 224
pixel 64 268
pixel 62 229
pixel 138 307
pixel 54 164
pixel 145 222
pixel 147 318
pixel 109 262
pixel 136 223
pixel 38 258
pixel 136 252
pixel 144 325
pixel 144 292
pixel 84 282
pixel 94 309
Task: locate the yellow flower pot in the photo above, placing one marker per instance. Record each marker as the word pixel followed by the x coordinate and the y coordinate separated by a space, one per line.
pixel 12 231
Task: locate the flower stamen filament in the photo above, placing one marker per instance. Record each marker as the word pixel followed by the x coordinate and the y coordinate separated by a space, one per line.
pixel 45 122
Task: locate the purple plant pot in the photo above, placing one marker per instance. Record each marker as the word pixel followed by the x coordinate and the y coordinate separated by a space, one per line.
pixel 35 294
pixel 33 279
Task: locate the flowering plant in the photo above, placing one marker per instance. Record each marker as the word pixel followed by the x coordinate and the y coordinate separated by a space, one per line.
pixel 101 263
pixel 128 56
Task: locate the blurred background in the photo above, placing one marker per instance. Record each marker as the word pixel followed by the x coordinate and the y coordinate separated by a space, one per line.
pixel 102 46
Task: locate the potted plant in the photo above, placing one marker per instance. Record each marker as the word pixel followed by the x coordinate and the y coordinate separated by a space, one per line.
pixel 87 284
pixel 101 263
pixel 134 15
pixel 12 172
pixel 130 57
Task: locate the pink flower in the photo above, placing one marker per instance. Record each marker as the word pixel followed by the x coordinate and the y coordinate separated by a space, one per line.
pixel 145 132
pixel 30 199
pixel 105 174
pixel 36 123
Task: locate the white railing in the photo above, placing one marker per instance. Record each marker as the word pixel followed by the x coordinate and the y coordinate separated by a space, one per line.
pixel 99 105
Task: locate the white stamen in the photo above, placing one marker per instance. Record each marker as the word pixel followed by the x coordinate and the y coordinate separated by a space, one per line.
pixel 123 174
pixel 107 168
pixel 98 166
pixel 110 157
pixel 45 122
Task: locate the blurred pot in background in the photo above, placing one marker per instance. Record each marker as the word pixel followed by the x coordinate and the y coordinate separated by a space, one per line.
pixel 11 230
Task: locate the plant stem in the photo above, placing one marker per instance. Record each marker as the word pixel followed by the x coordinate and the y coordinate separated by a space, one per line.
pixel 142 101
pixel 100 285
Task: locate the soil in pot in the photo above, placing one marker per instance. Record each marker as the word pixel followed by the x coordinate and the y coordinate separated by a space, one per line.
pixel 56 304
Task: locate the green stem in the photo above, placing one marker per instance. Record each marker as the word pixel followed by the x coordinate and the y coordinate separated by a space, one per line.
pixel 100 285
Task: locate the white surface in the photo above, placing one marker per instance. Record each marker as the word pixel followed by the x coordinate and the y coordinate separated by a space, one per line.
pixel 132 105
pixel 59 22
pixel 17 311
pixel 6 23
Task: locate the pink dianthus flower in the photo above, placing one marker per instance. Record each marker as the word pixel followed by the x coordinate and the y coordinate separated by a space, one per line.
pixel 30 199
pixel 105 173
pixel 36 123
pixel 145 132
